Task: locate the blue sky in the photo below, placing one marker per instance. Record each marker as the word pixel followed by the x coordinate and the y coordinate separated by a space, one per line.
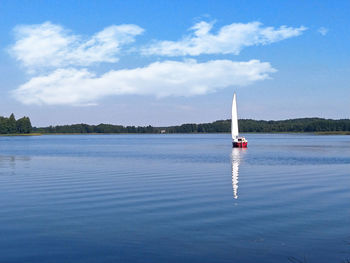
pixel 173 62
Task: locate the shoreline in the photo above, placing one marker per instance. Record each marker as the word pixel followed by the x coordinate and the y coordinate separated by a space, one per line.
pixel 309 133
pixel 22 134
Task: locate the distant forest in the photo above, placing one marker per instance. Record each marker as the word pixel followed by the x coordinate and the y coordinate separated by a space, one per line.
pixel 222 126
pixel 23 126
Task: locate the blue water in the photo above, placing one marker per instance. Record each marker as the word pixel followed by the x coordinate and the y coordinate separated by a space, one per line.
pixel 174 198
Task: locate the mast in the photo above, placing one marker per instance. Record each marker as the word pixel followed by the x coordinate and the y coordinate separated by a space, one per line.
pixel 234 122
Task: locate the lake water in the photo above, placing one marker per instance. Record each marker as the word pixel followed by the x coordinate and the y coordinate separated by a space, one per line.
pixel 174 198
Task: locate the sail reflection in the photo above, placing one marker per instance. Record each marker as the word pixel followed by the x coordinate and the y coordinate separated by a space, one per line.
pixel 236 158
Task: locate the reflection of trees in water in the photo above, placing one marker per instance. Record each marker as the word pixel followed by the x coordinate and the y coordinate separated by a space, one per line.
pixel 236 158
pixel 10 161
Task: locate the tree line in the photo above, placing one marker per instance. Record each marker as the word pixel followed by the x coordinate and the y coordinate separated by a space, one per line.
pixel 221 126
pixel 23 126
pixel 12 126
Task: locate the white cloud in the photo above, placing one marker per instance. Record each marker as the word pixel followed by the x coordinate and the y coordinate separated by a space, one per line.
pixel 48 45
pixel 169 78
pixel 323 31
pixel 230 39
pixel 59 61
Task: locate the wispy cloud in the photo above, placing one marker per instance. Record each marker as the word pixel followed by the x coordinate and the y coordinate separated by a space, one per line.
pixel 230 39
pixel 169 78
pixel 48 45
pixel 59 62
pixel 323 31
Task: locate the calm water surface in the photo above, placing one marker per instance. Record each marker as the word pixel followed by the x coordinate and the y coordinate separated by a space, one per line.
pixel 174 198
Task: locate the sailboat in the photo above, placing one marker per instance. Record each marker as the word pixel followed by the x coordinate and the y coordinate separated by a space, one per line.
pixel 237 142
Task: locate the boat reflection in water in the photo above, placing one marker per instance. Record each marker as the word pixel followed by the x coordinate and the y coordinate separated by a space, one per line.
pixel 236 159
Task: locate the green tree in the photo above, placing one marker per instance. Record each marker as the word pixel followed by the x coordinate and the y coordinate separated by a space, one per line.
pixel 12 128
pixel 24 125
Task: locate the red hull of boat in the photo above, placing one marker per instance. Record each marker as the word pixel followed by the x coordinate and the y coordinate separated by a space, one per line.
pixel 239 144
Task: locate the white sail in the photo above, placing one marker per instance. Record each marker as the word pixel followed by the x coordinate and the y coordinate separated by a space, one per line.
pixel 234 123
